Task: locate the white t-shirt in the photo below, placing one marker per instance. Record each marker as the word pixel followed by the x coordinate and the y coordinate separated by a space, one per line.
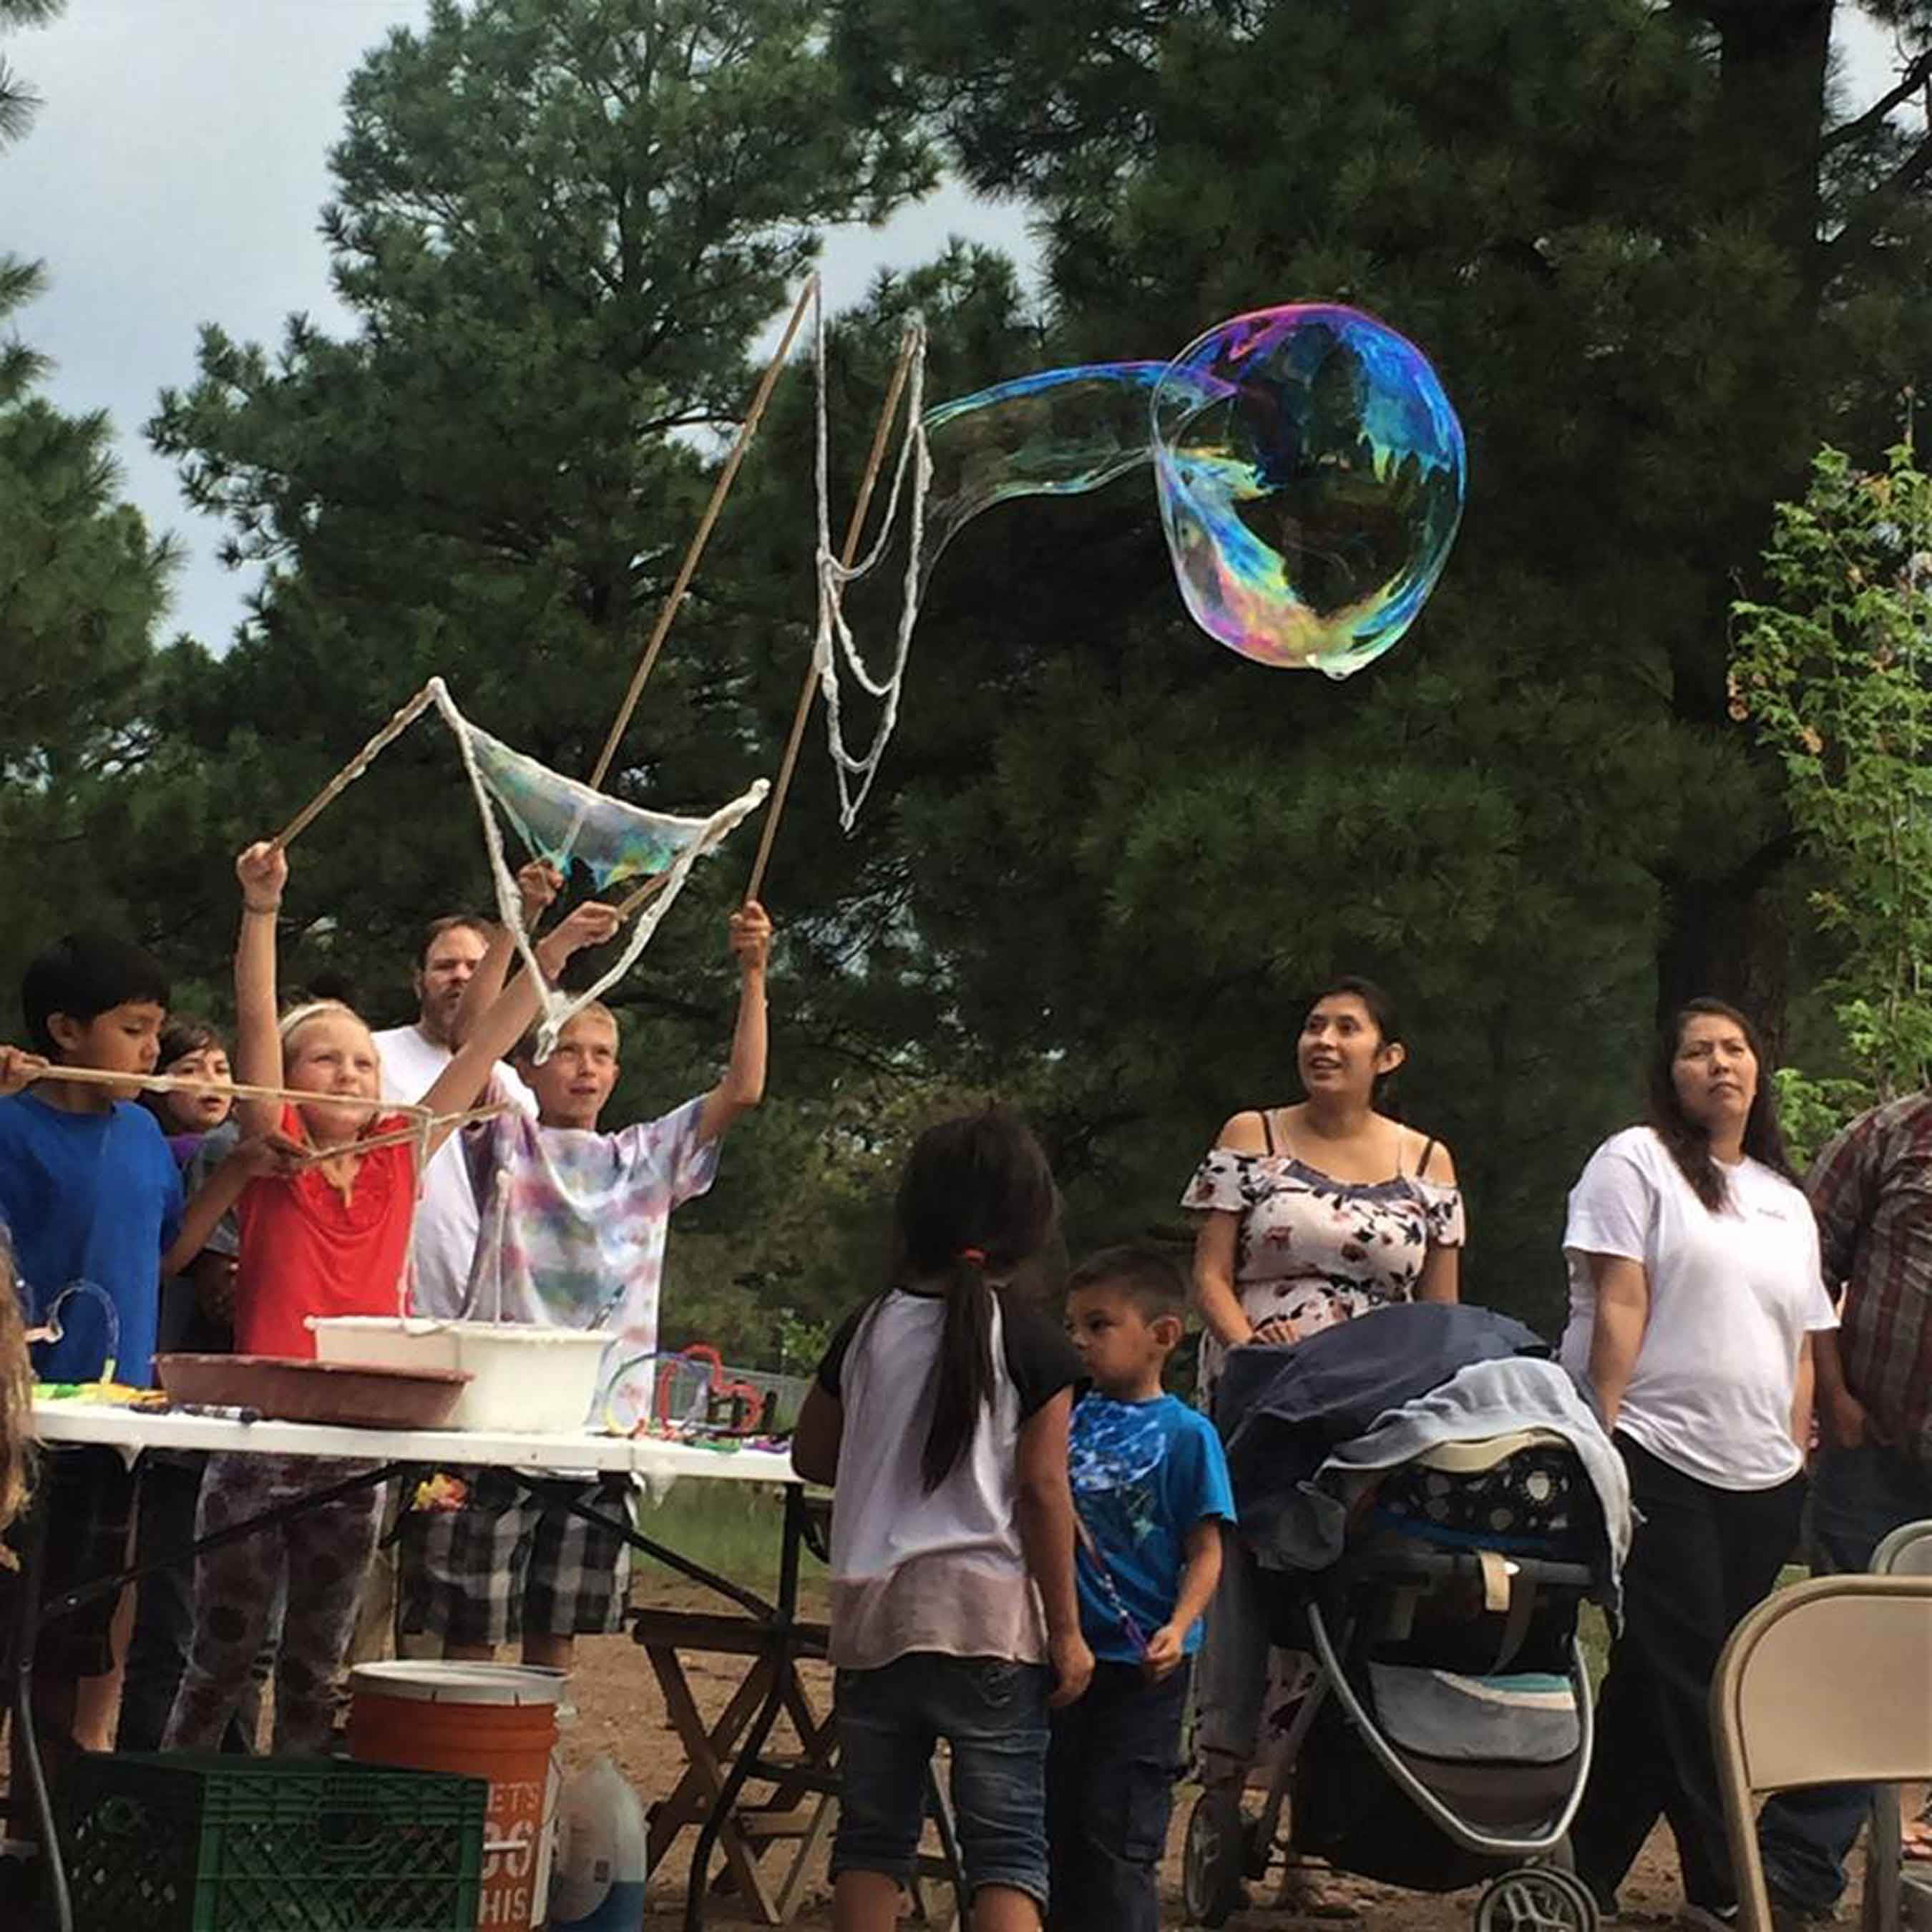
pixel 915 1570
pixel 1732 1296
pixel 444 1241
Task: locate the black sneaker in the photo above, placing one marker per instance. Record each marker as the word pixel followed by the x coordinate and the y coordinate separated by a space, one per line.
pixel 1707 1917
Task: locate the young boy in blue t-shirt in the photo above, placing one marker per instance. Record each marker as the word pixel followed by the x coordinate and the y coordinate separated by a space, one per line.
pixel 91 1198
pixel 1150 1493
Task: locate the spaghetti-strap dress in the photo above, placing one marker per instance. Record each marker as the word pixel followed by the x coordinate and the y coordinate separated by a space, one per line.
pixel 1311 1251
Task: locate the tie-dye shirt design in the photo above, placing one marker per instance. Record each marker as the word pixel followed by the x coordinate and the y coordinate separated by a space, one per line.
pixel 573 1222
pixel 1144 1474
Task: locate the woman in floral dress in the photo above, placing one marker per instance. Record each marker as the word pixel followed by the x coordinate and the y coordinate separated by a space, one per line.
pixel 1311 1214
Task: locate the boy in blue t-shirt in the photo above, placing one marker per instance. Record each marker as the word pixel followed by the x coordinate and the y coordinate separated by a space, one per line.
pixel 89 1194
pixel 1150 1493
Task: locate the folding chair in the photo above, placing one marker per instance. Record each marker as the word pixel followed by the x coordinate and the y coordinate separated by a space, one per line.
pixel 1829 1682
pixel 1906 1552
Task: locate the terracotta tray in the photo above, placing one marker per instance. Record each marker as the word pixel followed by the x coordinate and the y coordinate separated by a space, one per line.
pixel 354 1394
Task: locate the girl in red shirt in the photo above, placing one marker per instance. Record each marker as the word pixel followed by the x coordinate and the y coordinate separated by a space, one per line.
pixel 325 1230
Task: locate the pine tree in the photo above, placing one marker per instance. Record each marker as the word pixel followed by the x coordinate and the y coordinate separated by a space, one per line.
pixel 1656 258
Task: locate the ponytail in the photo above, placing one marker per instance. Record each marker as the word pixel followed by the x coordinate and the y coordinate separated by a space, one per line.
pixel 976 1197
pixel 963 1382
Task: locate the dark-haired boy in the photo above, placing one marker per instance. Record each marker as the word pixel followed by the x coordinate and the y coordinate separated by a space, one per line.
pixel 1151 1491
pixel 91 1194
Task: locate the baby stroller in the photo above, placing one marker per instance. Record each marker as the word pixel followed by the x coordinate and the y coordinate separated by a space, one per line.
pixel 1447 1739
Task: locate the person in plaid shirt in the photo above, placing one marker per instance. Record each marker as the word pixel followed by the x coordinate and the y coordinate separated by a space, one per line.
pixel 1871 1188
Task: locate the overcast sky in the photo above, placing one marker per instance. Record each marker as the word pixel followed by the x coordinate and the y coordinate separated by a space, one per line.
pixel 173 177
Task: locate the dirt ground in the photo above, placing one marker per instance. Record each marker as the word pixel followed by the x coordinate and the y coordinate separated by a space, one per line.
pixel 621 1711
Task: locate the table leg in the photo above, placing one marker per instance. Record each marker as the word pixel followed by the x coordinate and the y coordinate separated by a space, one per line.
pixel 782 1654
pixel 27 1758
pixel 704 1752
pixel 723 1784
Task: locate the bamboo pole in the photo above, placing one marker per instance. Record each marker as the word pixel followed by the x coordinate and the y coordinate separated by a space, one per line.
pixel 632 901
pixel 399 723
pixel 726 476
pixel 854 529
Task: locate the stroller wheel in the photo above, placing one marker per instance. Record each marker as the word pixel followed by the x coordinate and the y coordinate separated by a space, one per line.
pixel 1211 1864
pixel 1536 1898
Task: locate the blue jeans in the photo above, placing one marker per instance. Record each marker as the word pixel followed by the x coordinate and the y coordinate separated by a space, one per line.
pixel 1110 1777
pixel 993 1714
pixel 1859 1497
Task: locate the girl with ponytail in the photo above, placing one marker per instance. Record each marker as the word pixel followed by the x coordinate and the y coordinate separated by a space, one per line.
pixel 940 1415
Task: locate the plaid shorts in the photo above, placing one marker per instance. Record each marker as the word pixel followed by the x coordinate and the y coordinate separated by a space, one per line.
pixel 513 1559
pixel 88 1492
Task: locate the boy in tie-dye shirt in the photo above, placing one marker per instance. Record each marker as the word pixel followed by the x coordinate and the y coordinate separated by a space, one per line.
pixel 573 1222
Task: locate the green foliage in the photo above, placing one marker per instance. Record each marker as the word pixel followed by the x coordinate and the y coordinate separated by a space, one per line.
pixel 1106 861
pixel 1833 671
pixel 1135 855
pixel 82 586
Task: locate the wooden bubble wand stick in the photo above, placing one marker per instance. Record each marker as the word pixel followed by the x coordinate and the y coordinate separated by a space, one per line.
pixel 688 569
pixel 356 766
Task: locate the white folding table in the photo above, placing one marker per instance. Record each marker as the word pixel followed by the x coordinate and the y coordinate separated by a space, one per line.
pixel 767 1633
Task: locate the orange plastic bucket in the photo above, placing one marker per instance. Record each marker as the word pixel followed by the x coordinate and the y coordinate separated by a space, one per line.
pixel 490 1720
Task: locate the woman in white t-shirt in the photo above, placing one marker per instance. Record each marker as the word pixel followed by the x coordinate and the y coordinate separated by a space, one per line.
pixel 1695 1288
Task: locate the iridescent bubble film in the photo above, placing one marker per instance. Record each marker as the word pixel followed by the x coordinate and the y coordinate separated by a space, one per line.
pixel 1309 468
pixel 561 821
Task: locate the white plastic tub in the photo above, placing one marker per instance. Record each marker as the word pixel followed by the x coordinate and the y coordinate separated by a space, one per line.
pixel 525 1380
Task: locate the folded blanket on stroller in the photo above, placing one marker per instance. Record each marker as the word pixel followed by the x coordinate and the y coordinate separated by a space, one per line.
pixel 1281 1411
pixel 1302 1524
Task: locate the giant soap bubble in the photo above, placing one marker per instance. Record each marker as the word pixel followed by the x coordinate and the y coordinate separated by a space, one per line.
pixel 1309 470
pixel 1309 467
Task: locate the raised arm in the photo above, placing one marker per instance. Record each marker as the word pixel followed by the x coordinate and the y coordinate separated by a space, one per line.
pixel 1623 1314
pixel 263 870
pixel 509 1014
pixel 537 885
pixel 743 1085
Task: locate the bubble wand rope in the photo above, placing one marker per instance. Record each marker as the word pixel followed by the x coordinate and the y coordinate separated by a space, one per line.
pixel 398 725
pixel 720 489
pixel 240 1090
pixel 854 529
pixel 402 1136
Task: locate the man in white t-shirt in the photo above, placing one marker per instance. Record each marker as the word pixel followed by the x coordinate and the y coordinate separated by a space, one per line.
pixel 444 1243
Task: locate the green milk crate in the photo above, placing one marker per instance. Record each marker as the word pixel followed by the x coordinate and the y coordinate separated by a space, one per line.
pixel 182 1841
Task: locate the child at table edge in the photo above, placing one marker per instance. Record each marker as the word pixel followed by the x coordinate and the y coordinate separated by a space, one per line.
pixel 566 1206
pixel 324 1227
pixel 89 1193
